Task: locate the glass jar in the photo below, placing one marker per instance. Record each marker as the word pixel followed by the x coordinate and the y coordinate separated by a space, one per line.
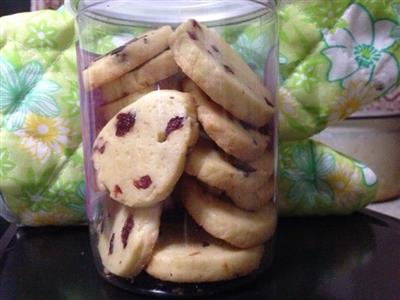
pixel 179 130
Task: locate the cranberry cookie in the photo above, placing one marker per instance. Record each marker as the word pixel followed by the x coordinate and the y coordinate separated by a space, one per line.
pixel 125 58
pixel 249 185
pixel 221 73
pixel 140 154
pixel 223 220
pixel 127 237
pixel 228 133
pixel 188 254
pixel 156 69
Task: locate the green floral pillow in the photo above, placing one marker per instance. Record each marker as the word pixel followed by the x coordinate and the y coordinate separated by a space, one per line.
pixel 41 176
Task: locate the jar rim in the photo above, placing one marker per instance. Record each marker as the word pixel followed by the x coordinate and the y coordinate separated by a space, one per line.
pixel 147 13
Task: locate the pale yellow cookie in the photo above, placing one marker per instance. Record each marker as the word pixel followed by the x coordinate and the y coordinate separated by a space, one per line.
pixel 248 185
pixel 126 237
pixel 109 110
pixel 228 133
pixel 140 154
pixel 125 58
pixel 158 68
pixel 223 220
pixel 185 253
pixel 221 73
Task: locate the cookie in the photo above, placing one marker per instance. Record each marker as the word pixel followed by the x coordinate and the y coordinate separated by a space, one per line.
pixel 221 73
pixel 228 133
pixel 156 69
pixel 247 184
pixel 126 237
pixel 109 110
pixel 223 220
pixel 188 254
pixel 140 154
pixel 125 58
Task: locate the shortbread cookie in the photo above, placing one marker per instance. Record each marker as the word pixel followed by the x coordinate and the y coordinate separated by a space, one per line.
pixel 223 220
pixel 228 133
pixel 188 254
pixel 156 69
pixel 248 185
pixel 125 58
pixel 140 154
pixel 220 72
pixel 109 110
pixel 126 237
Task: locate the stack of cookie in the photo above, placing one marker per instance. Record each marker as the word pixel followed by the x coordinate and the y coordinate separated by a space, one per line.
pixel 152 137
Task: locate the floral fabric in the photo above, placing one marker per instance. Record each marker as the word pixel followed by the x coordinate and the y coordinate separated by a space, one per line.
pixel 41 174
pixel 353 62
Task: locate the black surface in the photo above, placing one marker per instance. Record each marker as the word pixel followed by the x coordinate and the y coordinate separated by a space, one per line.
pixel 353 257
pixel 8 7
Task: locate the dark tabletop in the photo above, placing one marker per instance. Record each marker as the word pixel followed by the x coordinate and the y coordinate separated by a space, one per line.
pixel 352 257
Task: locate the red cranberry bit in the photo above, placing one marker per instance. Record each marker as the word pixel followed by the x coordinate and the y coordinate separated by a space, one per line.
pixel 111 246
pixel 102 226
pixel 192 35
pixel 196 24
pixel 143 182
pixel 100 149
pixel 228 69
pixel 173 124
pixel 269 102
pixel 126 230
pixel 205 244
pixel 125 122
pixel 117 190
pixel 215 48
pixel 247 169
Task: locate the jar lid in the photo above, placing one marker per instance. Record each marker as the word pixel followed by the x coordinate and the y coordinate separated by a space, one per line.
pixel 155 12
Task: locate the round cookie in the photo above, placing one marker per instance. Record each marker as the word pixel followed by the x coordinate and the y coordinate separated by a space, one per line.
pixel 140 154
pixel 126 57
pixel 224 220
pixel 228 133
pixel 126 237
pixel 248 185
pixel 221 73
pixel 158 68
pixel 187 254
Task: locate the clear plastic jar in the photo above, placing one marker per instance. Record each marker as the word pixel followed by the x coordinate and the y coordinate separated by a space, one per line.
pixel 178 125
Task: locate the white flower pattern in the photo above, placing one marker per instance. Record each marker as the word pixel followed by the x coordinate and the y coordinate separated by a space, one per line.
pixel 360 51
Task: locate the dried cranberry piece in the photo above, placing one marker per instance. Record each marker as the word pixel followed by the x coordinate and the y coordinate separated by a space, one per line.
pixel 102 226
pixel 173 124
pixel 100 149
pixel 215 48
pixel 269 102
pixel 205 244
pixel 192 35
pixel 111 246
pixel 228 69
pixel 247 169
pixel 143 182
pixel 117 190
pixel 126 230
pixel 125 122
pixel 196 24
